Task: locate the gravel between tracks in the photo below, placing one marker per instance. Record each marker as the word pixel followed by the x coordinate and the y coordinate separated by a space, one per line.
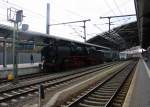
pixel 33 99
pixel 63 95
pixel 52 91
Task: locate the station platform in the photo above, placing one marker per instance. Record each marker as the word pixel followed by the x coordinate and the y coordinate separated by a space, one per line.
pixel 23 69
pixel 139 91
pixel 25 65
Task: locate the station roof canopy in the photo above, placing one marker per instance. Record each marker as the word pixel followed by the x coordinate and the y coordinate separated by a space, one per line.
pixel 143 18
pixel 6 34
pixel 120 38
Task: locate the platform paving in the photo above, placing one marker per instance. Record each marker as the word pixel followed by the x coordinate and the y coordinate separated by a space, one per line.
pixel 24 65
pixel 23 69
pixel 140 95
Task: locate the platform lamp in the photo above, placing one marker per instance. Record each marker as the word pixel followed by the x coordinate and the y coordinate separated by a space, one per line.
pixel 15 16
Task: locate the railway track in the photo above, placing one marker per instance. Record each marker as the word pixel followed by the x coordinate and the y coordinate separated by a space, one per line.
pixel 109 93
pixel 24 77
pixel 12 94
pixel 40 74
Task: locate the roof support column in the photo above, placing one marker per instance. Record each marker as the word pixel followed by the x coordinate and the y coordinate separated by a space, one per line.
pixel 15 34
pixel 109 24
pixel 84 27
pixel 48 19
pixel 4 54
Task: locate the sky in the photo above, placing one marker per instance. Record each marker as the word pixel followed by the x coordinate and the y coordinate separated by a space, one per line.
pixel 70 10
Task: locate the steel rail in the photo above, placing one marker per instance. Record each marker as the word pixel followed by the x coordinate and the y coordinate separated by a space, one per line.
pixel 21 91
pixel 83 99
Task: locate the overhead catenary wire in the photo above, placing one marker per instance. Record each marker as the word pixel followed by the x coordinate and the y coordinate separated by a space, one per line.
pixel 86 17
pixel 4 16
pixel 121 5
pixel 95 25
pixel 80 35
pixel 15 5
pixel 4 7
pixel 122 27
pixel 70 11
pixel 117 6
pixel 30 14
pixel 5 4
pixel 107 4
pixel 76 14
pixel 118 29
pixel 111 8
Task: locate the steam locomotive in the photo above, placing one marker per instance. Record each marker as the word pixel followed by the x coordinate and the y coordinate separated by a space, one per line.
pixel 61 54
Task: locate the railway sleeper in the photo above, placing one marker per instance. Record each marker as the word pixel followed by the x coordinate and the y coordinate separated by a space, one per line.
pixel 120 97
pixel 1 97
pixel 85 105
pixel 94 103
pixel 107 89
pixel 118 101
pixel 4 104
pixel 16 95
pixel 122 94
pixel 101 96
pixel 104 91
pixel 15 92
pixel 7 94
pixel 117 105
pixel 110 86
pixel 97 99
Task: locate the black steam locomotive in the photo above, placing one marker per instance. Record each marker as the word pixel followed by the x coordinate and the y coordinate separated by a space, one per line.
pixel 61 54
